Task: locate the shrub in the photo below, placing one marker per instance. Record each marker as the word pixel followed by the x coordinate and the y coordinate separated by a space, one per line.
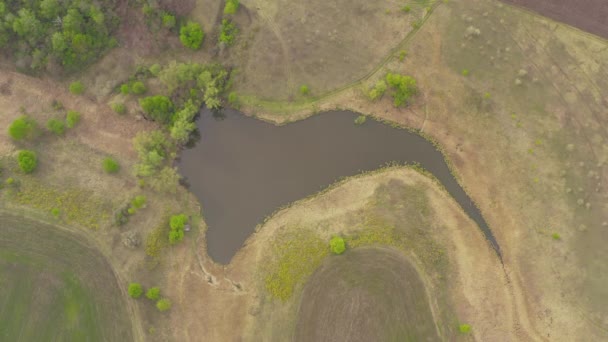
pixel 191 35
pixel 556 236
pixel 163 304
pixel 406 9
pixel 159 107
pixel 337 245
pixel 27 161
pixel 231 6
pixel 464 328
pixel 152 149
pixel 404 88
pixel 360 120
pixel 155 69
pixel 23 128
pixel 110 165
pixel 125 89
pixel 304 90
pixel 402 55
pixel 378 90
pixel 56 126
pixel 138 88
pixel 55 212
pixel 76 88
pixel 233 99
pixel 135 290
pixel 119 108
pixel 57 105
pixel 228 32
pixel 153 293
pixel 138 202
pixel 177 223
pixel 465 72
pixel 72 118
pixel 167 180
pixel 169 21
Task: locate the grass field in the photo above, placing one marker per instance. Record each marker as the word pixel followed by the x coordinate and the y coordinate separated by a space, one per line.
pixel 367 294
pixel 56 287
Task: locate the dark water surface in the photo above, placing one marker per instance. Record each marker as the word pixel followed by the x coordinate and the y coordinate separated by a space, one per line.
pixel 243 169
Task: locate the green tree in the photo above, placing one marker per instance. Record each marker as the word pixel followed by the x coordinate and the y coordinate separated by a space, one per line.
pixel 138 202
pixel 22 128
pixel 404 87
pixel 153 293
pixel 378 90
pixel 135 290
pixel 110 165
pixel 191 35
pixel 49 9
pixel 27 161
pixel 177 224
pixel 163 304
pixel 72 118
pixel 337 245
pixel 159 107
pixel 56 126
pixel 76 88
pixel 26 25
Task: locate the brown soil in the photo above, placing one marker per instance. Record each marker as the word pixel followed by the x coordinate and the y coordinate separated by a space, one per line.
pixel 588 15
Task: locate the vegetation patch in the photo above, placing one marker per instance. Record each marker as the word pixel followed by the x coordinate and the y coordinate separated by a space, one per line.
pixel 23 128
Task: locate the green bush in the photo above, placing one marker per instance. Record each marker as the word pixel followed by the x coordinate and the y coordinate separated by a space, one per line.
pixel 360 120
pixel 153 293
pixel 56 126
pixel 556 236
pixel 304 90
pixel 72 118
pixel 404 87
pixel 177 223
pixel 231 6
pixel 110 165
pixel 337 245
pixel 135 290
pixel 228 32
pixel 152 149
pixel 169 21
pixel 159 107
pixel 138 202
pixel 155 69
pixel 125 89
pixel 191 35
pixel 76 88
pixel 464 328
pixel 23 128
pixel 27 161
pixel 465 72
pixel 406 9
pixel 163 304
pixel 119 107
pixel 378 90
pixel 138 88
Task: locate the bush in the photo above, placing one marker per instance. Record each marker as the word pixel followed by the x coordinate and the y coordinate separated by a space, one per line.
pixel 465 72
pixel 23 128
pixel 378 90
pixel 337 245
pixel 406 9
pixel 159 107
pixel 135 290
pixel 556 236
pixel 72 118
pixel 228 32
pixel 138 88
pixel 155 69
pixel 404 87
pixel 153 293
pixel 138 202
pixel 56 126
pixel 119 108
pixel 152 149
pixel 76 88
pixel 177 223
pixel 110 165
pixel 360 120
pixel 231 6
pixel 464 328
pixel 27 161
pixel 169 21
pixel 163 304
pixel 191 35
pixel 125 89
pixel 304 90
